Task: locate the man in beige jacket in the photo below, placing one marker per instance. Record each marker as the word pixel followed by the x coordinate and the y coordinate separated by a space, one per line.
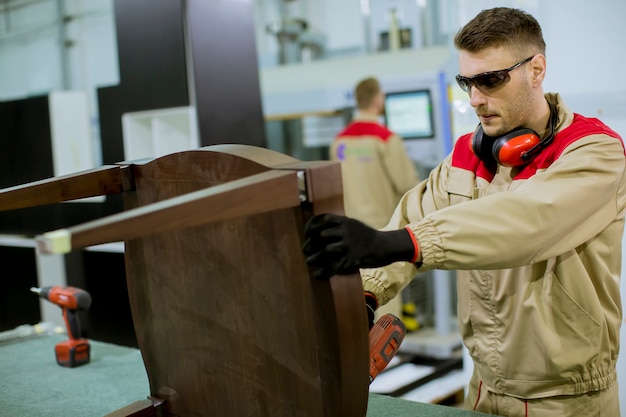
pixel 529 209
pixel 375 166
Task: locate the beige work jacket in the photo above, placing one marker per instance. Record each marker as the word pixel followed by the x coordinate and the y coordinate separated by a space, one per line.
pixel 375 168
pixel 538 254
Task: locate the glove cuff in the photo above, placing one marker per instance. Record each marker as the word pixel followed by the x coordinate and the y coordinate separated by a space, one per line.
pixel 371 301
pixel 416 246
pixel 400 245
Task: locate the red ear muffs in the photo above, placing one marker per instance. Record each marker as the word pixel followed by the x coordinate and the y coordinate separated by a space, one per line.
pixel 506 150
pixel 513 149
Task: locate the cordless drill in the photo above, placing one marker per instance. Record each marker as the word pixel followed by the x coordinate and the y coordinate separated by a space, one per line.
pixel 75 351
pixel 385 338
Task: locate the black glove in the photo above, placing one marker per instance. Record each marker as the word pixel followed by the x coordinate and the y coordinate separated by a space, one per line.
pixel 341 245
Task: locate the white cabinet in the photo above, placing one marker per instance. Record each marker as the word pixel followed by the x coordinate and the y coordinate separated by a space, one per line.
pixel 154 133
pixel 73 149
pixel 72 145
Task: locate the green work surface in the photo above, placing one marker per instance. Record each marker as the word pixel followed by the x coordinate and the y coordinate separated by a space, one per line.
pixel 384 406
pixel 33 385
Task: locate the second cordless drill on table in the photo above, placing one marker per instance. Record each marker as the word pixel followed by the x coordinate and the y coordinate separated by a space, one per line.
pixel 75 351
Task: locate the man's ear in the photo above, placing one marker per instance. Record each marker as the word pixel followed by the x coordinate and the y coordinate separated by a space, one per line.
pixel 538 68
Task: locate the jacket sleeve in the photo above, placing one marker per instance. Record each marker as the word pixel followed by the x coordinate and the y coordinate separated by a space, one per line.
pixel 553 211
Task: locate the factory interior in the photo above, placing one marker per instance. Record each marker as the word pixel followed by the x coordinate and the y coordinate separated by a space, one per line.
pixel 86 84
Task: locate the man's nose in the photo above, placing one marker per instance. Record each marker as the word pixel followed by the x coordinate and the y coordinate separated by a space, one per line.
pixel 476 97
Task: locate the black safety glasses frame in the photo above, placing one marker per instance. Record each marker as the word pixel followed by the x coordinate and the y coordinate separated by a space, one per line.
pixel 491 80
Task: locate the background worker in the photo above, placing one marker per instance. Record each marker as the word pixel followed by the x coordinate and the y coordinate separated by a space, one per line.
pixel 375 166
pixel 533 231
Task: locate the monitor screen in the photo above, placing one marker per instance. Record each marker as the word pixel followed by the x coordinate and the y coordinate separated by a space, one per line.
pixel 409 114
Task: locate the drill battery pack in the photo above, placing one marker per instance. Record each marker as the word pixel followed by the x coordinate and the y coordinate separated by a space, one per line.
pixel 72 353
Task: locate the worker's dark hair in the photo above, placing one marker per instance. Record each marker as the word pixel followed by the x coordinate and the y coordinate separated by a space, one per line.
pixel 365 91
pixel 502 26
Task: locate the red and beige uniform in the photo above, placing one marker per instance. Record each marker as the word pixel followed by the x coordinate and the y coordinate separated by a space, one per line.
pixel 540 312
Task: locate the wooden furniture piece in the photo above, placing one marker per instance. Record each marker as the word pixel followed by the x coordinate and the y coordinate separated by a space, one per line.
pixel 227 317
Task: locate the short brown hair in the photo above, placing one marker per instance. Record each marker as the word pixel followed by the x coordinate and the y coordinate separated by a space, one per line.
pixel 365 91
pixel 502 26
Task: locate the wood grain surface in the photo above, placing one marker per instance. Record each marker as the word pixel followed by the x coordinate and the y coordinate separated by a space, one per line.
pixel 227 316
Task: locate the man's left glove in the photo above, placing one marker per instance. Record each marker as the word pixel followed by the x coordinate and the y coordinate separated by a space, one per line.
pixel 340 245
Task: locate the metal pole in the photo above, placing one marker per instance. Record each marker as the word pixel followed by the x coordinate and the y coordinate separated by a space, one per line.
pixel 442 301
pixel 63 45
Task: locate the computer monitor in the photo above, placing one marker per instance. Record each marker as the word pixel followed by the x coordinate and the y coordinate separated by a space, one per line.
pixel 409 114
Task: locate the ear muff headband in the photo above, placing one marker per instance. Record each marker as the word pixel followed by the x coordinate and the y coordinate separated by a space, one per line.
pixel 515 148
pixel 535 150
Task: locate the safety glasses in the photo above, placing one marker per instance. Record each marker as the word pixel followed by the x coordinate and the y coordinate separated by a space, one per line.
pixel 490 80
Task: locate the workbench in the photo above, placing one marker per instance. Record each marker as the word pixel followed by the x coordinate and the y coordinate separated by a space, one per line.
pixel 32 384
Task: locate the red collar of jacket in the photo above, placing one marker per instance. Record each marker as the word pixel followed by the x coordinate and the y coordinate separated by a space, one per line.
pixel 464 158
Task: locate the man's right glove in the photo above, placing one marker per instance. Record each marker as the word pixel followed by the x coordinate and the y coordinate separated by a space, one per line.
pixel 340 245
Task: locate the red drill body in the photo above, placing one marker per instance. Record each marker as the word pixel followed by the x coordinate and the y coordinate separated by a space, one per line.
pixel 75 351
pixel 385 339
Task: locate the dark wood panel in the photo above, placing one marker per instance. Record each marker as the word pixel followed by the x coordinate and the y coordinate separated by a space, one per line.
pixel 18 305
pixel 226 77
pixel 254 333
pixel 25 141
pixel 151 51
